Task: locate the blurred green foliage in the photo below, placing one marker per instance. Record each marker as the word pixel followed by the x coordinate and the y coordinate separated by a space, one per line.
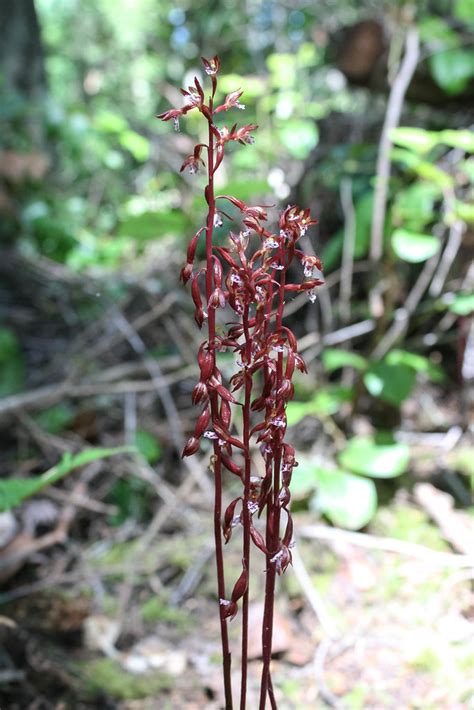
pixel 113 192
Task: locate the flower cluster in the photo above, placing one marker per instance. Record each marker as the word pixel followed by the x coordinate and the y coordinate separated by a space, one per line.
pixel 252 277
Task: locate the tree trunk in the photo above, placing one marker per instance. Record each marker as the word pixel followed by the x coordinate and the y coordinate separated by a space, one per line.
pixel 21 52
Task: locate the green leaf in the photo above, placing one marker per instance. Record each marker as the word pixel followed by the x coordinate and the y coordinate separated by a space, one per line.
pixel 152 225
pixel 419 363
pixel 299 137
pixel 464 11
pixel 325 402
pixel 416 139
pixel 390 383
pixel 136 144
pixel 304 480
pixel 245 189
pixel 347 500
pixel 463 139
pixel 333 359
pixel 148 446
pixel 464 211
pixel 452 69
pixel 365 457
pixel 109 122
pixel 463 304
pixel 15 490
pixel 414 206
pixel 252 86
pixel 282 69
pixel 436 32
pixel 422 168
pixel 414 247
pixel 420 141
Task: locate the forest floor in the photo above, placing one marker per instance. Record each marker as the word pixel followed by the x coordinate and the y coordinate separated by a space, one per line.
pixel 118 629
pixel 107 581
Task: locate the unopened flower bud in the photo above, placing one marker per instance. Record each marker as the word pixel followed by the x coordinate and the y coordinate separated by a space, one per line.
pixel 186 273
pixel 199 393
pixel 191 447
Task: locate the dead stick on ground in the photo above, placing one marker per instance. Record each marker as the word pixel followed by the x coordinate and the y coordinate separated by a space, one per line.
pixel 171 411
pixel 48 395
pixel 386 544
pixel 312 596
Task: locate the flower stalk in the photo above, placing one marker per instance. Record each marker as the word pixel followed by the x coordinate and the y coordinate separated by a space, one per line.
pixel 250 278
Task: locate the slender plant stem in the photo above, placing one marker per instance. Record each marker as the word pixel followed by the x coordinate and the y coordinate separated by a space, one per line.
pixel 273 522
pixel 245 507
pixel 226 656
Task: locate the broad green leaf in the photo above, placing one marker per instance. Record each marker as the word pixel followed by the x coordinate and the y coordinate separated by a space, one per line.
pixel 420 141
pixel 333 359
pixel 467 167
pixel 390 383
pixel 414 247
pixel 422 168
pixel 14 490
pixel 304 480
pixel 463 139
pixel 282 69
pixel 152 225
pixel 299 137
pixel 463 304
pixel 309 54
pixel 296 411
pixel 418 362
pixel 247 190
pixel 436 32
pixel 464 211
pixel 416 139
pixel 365 457
pixel 109 122
pixel 325 402
pixel 148 445
pixel 347 500
pixel 431 172
pixel 452 69
pixel 136 144
pixel 414 206
pixel 252 86
pixel 464 11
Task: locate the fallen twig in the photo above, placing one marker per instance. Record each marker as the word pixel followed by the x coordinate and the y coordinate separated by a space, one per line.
pixel 386 544
pixel 312 596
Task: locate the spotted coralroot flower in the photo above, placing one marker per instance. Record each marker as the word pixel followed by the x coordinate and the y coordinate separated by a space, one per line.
pixel 248 279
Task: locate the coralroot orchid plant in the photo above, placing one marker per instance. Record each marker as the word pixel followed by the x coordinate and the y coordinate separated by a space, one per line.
pixel 250 277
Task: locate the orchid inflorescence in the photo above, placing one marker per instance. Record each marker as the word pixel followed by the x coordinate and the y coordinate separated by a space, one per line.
pixel 249 276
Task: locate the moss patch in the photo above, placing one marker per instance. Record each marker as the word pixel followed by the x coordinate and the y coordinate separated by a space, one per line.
pixel 106 676
pixel 406 523
pixel 155 609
